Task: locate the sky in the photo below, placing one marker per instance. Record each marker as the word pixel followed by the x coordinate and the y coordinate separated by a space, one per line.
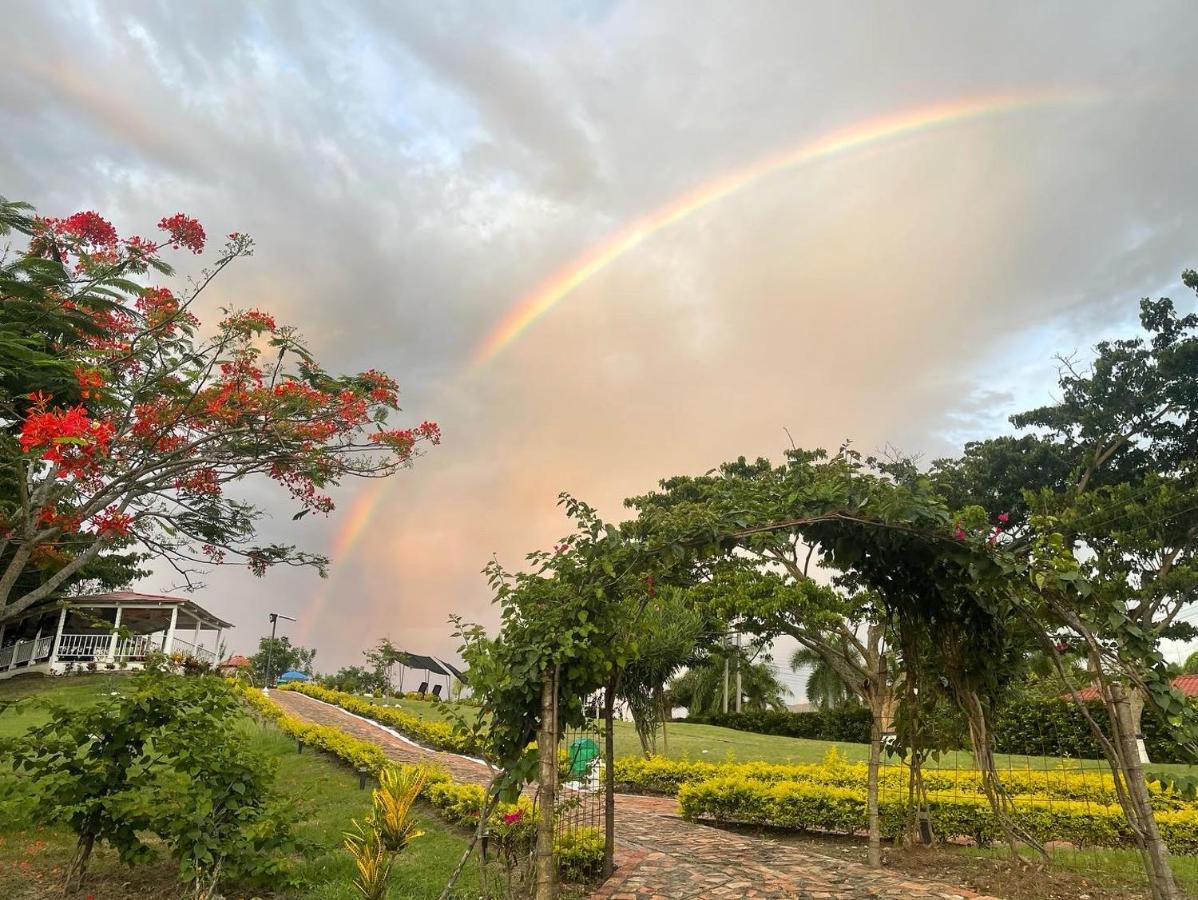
pixel 416 174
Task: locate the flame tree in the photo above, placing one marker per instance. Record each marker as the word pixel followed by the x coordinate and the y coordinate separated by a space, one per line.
pixel 124 422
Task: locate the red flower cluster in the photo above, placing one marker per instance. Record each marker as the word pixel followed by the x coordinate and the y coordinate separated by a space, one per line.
pixel 69 438
pixel 513 817
pixel 89 380
pixel 199 482
pixel 88 229
pixel 250 321
pixel 112 523
pixel 184 231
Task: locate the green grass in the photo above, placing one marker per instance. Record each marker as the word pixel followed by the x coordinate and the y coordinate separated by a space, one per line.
pixel 717 744
pixel 323 793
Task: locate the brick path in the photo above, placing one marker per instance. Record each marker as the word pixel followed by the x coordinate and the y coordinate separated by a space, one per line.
pixel 663 857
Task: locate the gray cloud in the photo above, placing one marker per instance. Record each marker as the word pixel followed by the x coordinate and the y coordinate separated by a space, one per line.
pixel 410 171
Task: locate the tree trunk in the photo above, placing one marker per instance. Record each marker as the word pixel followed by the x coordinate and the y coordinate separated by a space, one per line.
pixel 1139 805
pixel 1136 700
pixel 871 796
pixel 609 778
pixel 546 872
pixel 78 867
pixel 983 754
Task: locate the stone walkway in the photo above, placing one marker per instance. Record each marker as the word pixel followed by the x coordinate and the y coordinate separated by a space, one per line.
pixel 663 857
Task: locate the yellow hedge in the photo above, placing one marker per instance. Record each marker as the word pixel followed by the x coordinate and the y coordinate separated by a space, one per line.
pixel 439 735
pixel 807 805
pixel 667 776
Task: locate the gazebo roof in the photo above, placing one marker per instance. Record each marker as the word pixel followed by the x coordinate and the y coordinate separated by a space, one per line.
pixel 133 598
pixel 235 662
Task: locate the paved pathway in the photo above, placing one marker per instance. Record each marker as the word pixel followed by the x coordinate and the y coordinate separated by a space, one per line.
pixel 663 857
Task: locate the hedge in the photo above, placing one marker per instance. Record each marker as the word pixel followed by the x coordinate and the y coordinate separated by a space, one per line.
pixel 579 853
pixel 823 807
pixel 438 735
pixel 848 723
pixel 1028 727
pixel 658 775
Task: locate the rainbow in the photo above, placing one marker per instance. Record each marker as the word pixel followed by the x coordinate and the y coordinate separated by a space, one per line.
pixel 536 304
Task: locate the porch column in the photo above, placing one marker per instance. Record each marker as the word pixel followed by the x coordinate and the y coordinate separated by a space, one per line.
pixel 195 638
pixel 62 618
pixel 215 650
pixel 116 623
pixel 169 638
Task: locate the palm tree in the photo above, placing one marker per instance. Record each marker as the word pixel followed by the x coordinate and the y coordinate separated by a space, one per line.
pixel 825 687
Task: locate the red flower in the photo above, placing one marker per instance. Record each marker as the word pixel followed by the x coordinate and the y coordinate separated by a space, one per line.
pixel 513 817
pixel 184 231
pixel 88 227
pixel 1004 517
pixel 111 523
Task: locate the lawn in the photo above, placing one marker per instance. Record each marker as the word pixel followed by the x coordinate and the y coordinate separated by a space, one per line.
pixel 323 792
pixel 717 744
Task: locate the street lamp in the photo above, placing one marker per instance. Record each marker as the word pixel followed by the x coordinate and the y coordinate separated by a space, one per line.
pixel 274 622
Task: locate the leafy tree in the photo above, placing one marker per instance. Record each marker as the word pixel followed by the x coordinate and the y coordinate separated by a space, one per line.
pixel 283 656
pixel 671 632
pixel 1190 666
pixel 164 758
pixel 384 657
pixel 125 424
pixel 355 680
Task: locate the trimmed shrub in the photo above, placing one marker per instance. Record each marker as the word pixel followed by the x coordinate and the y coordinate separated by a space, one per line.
pixel 823 807
pixel 658 775
pixel 849 723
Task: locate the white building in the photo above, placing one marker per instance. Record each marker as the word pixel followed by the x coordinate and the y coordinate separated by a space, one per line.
pixel 81 633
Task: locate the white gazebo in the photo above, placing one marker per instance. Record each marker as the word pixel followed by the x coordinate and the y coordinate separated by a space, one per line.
pixel 81 633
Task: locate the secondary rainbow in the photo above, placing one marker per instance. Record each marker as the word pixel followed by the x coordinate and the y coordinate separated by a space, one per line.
pixel 549 293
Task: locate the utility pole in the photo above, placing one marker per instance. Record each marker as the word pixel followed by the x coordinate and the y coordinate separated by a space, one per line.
pixel 270 648
pixel 738 682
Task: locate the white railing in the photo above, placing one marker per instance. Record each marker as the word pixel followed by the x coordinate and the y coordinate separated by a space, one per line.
pixel 26 652
pixel 137 647
pixel 84 646
pixel 187 648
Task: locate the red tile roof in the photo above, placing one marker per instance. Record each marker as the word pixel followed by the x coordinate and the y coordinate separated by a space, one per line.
pixel 235 662
pixel 1187 684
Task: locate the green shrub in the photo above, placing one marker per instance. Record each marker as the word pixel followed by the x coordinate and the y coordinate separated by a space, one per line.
pixel 849 723
pixel 579 855
pixel 823 807
pixel 658 775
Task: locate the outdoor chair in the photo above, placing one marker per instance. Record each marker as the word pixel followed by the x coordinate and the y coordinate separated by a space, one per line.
pixel 423 689
pixel 436 692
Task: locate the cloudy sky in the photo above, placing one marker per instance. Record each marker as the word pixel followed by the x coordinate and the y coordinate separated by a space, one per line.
pixel 411 172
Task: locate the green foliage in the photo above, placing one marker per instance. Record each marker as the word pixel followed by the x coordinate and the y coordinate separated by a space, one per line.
pixel 355 680
pixel 284 656
pixel 849 722
pixel 162 758
pixel 579 855
pixel 826 687
pixel 658 775
pixel 701 688
pixel 954 815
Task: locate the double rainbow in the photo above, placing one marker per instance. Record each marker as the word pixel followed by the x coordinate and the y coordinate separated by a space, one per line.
pixel 536 304
pixel 562 283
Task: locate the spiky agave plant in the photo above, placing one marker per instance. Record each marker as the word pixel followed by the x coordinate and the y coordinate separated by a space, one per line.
pixel 393 801
pixel 376 843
